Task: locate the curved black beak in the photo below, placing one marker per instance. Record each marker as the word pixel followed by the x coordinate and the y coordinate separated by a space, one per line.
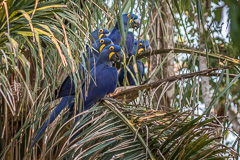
pixel 149 48
pixel 136 23
pixel 118 56
pixel 111 43
pixel 102 36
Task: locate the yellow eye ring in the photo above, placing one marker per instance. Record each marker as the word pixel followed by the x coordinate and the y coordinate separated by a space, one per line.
pixel 102 41
pixel 140 44
pixel 100 30
pixel 111 48
pixel 128 15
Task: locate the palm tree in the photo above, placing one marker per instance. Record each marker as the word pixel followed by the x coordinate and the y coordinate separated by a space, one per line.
pixel 43 41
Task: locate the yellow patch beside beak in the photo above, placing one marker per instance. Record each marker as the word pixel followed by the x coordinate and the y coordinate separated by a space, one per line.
pixel 140 50
pixel 111 54
pixel 100 36
pixel 101 48
pixel 131 21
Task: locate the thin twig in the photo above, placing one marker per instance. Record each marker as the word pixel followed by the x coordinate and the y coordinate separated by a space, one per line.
pixel 189 51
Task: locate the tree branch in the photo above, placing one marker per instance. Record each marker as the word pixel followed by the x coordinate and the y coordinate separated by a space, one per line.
pixel 133 90
pixel 218 74
pixel 189 51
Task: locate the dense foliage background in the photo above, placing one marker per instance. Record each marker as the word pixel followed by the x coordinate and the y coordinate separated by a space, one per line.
pixel 187 108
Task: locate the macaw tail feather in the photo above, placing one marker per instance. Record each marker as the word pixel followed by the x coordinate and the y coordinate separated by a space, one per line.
pixel 78 118
pixel 64 102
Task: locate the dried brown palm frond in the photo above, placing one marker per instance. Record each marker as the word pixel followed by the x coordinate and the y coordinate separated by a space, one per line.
pixel 110 131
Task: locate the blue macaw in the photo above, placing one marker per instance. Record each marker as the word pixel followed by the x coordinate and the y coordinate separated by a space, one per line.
pixel 68 87
pixel 138 47
pixel 115 35
pixel 103 81
pixel 98 34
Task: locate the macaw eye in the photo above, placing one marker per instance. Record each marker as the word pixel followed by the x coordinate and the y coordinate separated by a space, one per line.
pixel 140 44
pixel 128 15
pixel 100 30
pixel 102 41
pixel 111 48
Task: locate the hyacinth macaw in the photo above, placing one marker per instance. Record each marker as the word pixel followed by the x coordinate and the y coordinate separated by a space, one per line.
pixel 98 34
pixel 68 87
pixel 103 81
pixel 138 47
pixel 115 35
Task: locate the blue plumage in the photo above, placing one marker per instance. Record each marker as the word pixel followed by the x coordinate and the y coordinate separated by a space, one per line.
pixel 103 81
pixel 68 87
pixel 104 75
pixel 68 100
pixel 129 42
pixel 99 33
pixel 138 47
pixel 115 35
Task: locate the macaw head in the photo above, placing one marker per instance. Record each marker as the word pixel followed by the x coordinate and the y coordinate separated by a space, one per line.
pixel 99 33
pixel 134 20
pixel 140 46
pixel 99 44
pixel 112 53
